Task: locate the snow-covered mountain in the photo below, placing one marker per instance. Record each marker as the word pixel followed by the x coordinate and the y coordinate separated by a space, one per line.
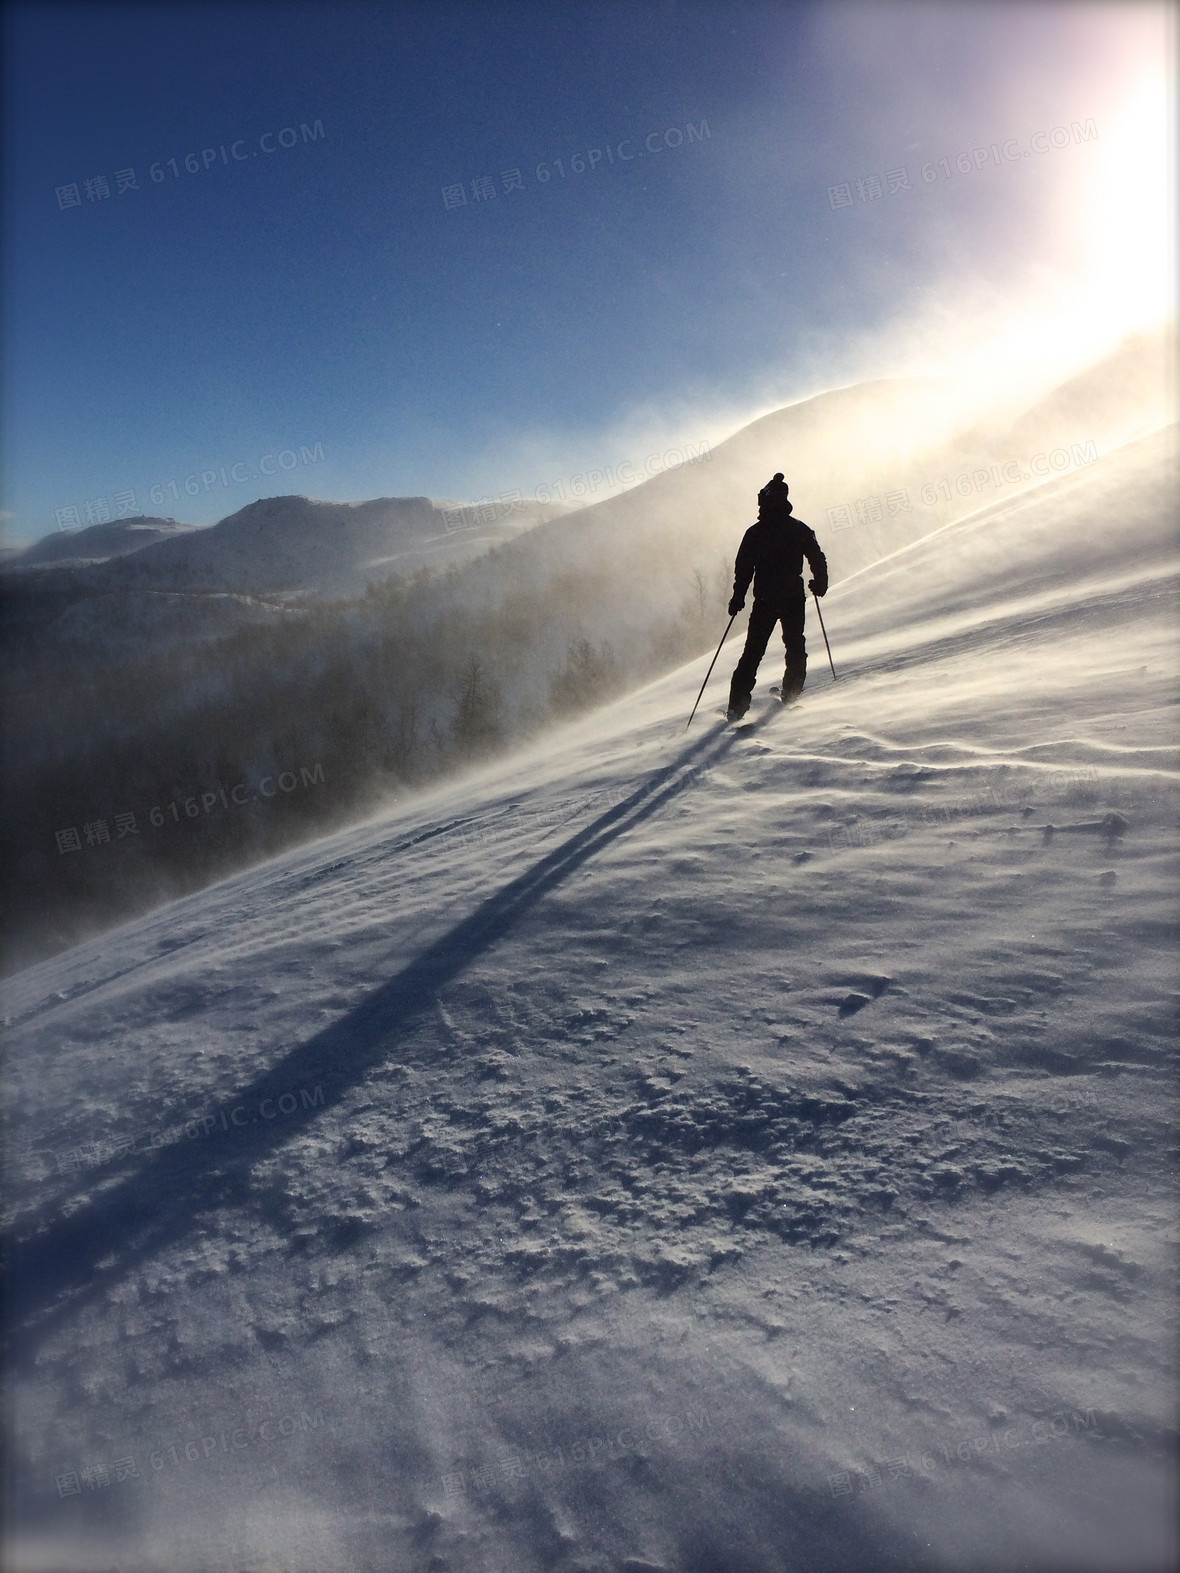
pixel 139 584
pixel 281 545
pixel 98 543
pixel 741 1150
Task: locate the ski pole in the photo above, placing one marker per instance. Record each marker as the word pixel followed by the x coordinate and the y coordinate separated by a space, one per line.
pixel 709 673
pixel 824 631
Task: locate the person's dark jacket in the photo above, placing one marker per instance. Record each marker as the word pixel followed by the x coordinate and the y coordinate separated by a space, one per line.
pixel 772 553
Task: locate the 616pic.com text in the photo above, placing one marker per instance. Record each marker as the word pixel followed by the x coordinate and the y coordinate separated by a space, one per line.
pixel 97 188
pixel 97 831
pixel 96 510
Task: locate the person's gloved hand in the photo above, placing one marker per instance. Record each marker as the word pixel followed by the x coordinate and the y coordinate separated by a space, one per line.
pixel 736 605
pixel 817 589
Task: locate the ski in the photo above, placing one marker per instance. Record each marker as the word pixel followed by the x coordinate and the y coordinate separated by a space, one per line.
pixel 789 704
pixel 753 714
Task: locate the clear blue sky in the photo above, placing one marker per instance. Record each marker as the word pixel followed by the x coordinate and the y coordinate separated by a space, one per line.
pixel 327 293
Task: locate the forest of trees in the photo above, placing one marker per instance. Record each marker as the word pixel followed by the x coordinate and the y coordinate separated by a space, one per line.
pixel 135 778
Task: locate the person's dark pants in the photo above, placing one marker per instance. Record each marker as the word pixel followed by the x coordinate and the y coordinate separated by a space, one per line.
pixel 763 617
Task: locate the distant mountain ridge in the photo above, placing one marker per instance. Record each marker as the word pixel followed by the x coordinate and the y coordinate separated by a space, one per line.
pixel 99 542
pixel 123 583
pixel 278 545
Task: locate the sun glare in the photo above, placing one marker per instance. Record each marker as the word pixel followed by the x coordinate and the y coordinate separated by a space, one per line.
pixel 1134 220
pixel 1113 268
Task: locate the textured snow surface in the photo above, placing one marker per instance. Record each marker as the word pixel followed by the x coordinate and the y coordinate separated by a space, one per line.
pixel 747 1150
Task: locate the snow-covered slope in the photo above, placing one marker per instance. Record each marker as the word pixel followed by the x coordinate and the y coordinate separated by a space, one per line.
pixel 872 467
pixel 741 1150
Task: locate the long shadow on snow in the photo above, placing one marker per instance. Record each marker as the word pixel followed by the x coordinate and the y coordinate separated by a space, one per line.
pixel 59 1264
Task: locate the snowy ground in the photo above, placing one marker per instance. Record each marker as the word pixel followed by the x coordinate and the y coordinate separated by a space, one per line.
pixel 741 1151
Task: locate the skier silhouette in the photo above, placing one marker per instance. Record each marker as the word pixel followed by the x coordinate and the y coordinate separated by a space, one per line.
pixel 772 553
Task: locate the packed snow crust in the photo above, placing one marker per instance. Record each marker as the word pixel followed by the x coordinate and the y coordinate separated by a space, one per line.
pixel 742 1150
